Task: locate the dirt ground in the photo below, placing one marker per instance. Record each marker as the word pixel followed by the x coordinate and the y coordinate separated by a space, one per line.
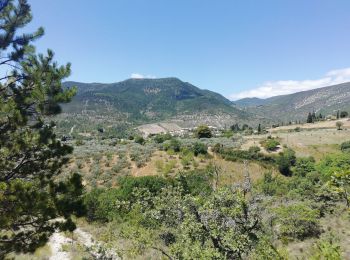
pixel 315 140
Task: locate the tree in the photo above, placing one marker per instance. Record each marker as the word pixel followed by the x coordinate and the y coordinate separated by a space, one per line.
pixel 203 131
pixel 259 128
pixel 339 124
pixel 338 114
pixel 343 114
pixel 221 225
pixel 309 118
pixel 235 128
pixel 31 156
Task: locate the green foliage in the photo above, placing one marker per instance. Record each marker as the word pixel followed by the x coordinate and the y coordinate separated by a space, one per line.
pixel 285 161
pixel 174 145
pixel 304 166
pixel 199 148
pixel 31 156
pixel 161 138
pixel 150 99
pixel 222 225
pixel 252 154
pixel 270 144
pixel 203 131
pixel 345 146
pixel 333 163
pixel 297 221
pixel 344 114
pixel 140 140
pixel 340 184
pixel 326 248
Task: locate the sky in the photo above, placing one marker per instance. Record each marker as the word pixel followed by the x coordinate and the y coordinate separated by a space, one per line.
pixel 238 48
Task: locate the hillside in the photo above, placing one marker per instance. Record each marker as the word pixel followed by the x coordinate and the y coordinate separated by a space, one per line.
pixel 151 100
pixel 296 106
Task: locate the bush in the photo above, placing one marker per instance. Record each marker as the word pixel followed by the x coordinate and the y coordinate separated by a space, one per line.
pixel 203 131
pixel 79 142
pixel 217 148
pixel 140 140
pixel 174 144
pixel 343 114
pixel 199 148
pixel 345 147
pixel 285 160
pixel 270 144
pixel 304 166
pixel 161 138
pixel 297 221
pixel 254 149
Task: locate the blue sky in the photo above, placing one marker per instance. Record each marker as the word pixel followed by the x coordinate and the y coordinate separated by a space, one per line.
pixel 237 48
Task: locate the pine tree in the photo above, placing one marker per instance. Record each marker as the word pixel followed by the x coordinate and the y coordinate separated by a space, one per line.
pixel 30 154
pixel 259 128
pixel 309 118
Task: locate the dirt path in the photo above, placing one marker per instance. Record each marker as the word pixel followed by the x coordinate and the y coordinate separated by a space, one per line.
pixel 95 248
pixel 57 240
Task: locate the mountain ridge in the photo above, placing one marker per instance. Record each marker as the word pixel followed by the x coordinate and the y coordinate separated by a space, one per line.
pixel 152 100
pixel 296 106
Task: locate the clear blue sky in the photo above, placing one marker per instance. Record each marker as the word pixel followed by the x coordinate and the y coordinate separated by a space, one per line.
pixel 226 46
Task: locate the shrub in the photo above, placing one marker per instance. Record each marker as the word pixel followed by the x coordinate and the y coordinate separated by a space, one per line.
pixel 199 148
pixel 285 160
pixel 270 144
pixel 217 148
pixel 297 221
pixel 254 149
pixel 140 140
pixel 304 166
pixel 161 138
pixel 203 131
pixel 345 146
pixel 339 125
pixel 79 142
pixel 343 114
pixel 174 144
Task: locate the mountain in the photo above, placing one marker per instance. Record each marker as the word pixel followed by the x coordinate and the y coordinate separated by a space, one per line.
pixel 326 100
pixel 151 100
pixel 248 102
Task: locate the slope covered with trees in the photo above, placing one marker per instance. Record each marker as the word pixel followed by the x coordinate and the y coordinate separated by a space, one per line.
pixel 150 100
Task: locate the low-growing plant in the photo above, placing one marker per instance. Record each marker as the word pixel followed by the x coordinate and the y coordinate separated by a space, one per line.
pixel 270 144
pixel 199 148
pixel 345 146
pixel 297 221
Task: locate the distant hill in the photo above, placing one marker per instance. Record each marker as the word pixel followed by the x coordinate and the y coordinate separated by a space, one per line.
pixel 248 102
pixel 147 100
pixel 296 106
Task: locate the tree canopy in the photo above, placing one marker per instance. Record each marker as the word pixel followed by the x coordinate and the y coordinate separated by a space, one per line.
pixel 31 157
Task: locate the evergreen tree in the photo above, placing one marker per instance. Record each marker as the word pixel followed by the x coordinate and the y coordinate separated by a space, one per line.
pixel 31 156
pixel 338 114
pixel 309 118
pixel 259 128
